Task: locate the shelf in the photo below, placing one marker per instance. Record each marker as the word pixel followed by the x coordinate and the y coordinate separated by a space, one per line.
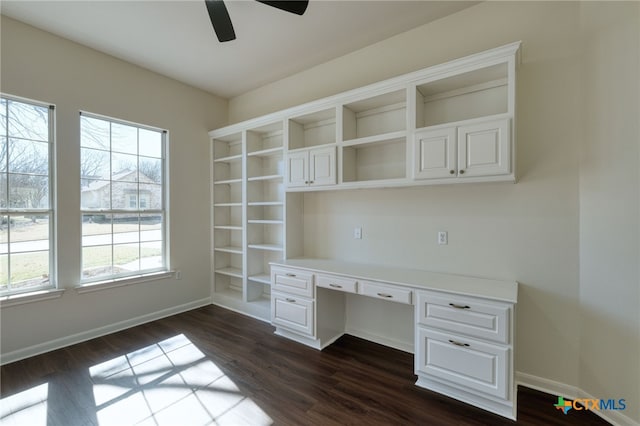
pixel 266 222
pixel 262 178
pixel 232 272
pixel 265 203
pixel 228 159
pixel 377 160
pixel 376 138
pixel 261 278
pixel 267 152
pixel 474 94
pixel 229 293
pixel 376 115
pixel 230 227
pixel 316 128
pixel 227 205
pixel 269 247
pixel 227 181
pixel 229 249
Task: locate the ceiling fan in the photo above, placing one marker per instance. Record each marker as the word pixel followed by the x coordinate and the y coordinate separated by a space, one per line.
pixel 222 22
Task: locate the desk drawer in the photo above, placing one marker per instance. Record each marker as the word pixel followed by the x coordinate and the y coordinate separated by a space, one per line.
pixel 293 313
pixel 467 363
pixel 464 315
pixel 337 283
pixel 385 292
pixel 292 281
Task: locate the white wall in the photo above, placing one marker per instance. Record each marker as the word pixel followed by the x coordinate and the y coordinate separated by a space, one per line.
pixel 44 67
pixel 531 232
pixel 610 203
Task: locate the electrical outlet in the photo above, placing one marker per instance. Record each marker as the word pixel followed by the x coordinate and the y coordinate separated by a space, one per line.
pixel 178 274
pixel 357 233
pixel 443 238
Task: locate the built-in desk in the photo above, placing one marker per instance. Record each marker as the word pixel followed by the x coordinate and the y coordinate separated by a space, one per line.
pixel 464 326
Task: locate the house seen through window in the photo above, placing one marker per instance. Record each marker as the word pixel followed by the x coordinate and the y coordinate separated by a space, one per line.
pixel 123 198
pixel 26 194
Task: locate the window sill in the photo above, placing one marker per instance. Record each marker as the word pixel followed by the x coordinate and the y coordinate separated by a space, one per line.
pixel 30 297
pixel 122 282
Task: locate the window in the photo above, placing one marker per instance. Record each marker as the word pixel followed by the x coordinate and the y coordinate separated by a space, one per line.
pixel 122 198
pixel 26 195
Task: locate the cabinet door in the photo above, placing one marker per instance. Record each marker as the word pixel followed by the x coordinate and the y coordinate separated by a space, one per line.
pixel 322 166
pixel 435 154
pixel 293 313
pixel 484 149
pixel 298 169
pixel 467 363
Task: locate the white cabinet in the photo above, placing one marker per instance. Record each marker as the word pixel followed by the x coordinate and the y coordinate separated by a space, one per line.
pixel 481 148
pixel 293 313
pixel 312 167
pixel 484 148
pixel 435 154
pixel 463 331
pixel 471 364
pixel 464 348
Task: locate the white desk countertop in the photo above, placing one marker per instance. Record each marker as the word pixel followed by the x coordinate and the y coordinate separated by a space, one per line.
pixel 425 280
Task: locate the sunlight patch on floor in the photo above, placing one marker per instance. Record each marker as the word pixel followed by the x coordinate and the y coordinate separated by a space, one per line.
pixel 168 383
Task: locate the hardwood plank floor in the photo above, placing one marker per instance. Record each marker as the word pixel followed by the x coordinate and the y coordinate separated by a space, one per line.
pixel 214 366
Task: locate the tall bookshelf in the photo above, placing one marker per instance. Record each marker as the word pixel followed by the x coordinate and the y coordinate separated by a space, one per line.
pixel 248 216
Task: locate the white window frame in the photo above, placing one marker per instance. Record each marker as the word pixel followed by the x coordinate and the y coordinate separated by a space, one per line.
pixel 142 275
pixel 50 211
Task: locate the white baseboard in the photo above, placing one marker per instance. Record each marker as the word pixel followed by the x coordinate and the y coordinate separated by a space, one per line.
pixel 73 339
pixel 547 386
pixel 571 392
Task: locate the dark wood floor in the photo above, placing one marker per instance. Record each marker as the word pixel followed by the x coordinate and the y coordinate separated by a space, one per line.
pixel 213 366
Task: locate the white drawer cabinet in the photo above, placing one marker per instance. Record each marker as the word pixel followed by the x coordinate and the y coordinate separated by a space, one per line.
pixel 292 281
pixel 463 326
pixel 294 313
pixel 348 285
pixel 386 292
pixel 464 362
pixel 464 315
pixel 464 348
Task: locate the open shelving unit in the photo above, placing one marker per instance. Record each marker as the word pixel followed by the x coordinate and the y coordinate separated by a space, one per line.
pixel 228 256
pixel 248 205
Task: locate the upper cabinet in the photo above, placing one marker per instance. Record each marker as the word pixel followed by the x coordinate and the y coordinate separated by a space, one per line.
pixel 449 123
pixel 464 124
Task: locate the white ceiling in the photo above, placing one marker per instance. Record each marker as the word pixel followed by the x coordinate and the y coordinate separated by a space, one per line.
pixel 175 38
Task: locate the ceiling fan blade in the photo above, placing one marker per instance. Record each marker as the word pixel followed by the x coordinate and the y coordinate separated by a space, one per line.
pixel 293 6
pixel 220 20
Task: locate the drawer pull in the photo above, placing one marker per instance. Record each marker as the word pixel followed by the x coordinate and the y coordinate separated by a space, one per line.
pixel 388 296
pixel 290 275
pixel 458 343
pixel 290 300
pixel 335 285
pixel 453 305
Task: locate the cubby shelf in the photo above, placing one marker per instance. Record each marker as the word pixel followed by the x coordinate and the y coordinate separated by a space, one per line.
pixel 266 152
pixel 265 203
pixel 267 177
pixel 232 272
pixel 270 247
pixel 261 278
pixel 229 249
